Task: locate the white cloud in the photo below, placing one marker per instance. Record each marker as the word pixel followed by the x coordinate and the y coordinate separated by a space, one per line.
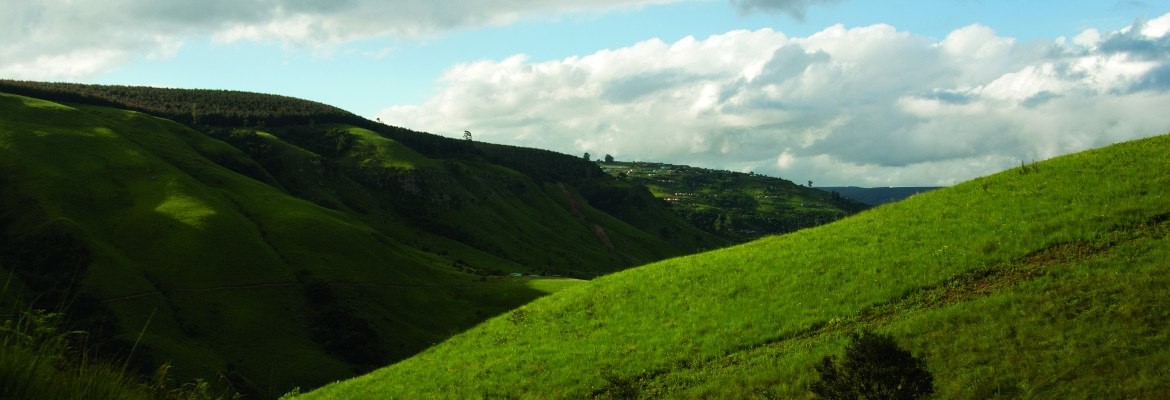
pixel 868 105
pixel 976 42
pixel 36 34
pixel 1088 38
pixel 74 64
pixel 1157 27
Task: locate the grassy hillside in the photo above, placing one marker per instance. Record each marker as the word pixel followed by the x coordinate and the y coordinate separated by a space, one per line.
pixel 734 205
pixel 282 256
pixel 1048 281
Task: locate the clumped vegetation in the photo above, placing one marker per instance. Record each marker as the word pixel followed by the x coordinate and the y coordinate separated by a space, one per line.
pixel 873 367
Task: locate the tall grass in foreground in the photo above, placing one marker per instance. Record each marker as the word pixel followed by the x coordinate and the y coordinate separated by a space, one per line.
pixel 37 362
pixel 40 360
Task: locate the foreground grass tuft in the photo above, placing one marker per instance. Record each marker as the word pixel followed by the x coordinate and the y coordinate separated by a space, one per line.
pixel 38 361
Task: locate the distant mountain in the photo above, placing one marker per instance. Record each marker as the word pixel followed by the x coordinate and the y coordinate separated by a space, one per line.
pixel 737 206
pixel 876 196
pixel 277 243
pixel 1048 281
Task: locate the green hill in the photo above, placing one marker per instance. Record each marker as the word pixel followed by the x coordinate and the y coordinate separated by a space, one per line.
pixel 298 247
pixel 1049 281
pixel 736 206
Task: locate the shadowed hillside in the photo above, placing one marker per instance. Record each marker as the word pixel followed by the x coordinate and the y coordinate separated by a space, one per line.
pixel 1046 281
pixel 279 252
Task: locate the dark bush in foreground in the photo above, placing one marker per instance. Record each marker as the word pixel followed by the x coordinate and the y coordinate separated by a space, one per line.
pixel 874 367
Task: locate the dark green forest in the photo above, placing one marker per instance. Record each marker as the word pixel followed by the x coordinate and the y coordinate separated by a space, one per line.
pixel 193 107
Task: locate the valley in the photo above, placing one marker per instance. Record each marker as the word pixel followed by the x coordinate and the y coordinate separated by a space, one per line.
pixel 268 246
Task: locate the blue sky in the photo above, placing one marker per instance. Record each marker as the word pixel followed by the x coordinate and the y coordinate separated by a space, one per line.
pixel 902 93
pixel 407 68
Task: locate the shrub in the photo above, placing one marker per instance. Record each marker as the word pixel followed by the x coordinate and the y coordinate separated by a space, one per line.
pixel 874 367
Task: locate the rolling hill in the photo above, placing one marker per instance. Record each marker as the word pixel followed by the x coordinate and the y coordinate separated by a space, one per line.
pixel 1047 281
pixel 273 243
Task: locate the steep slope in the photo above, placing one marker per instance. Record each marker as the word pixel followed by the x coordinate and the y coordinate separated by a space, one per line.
pixel 1047 281
pixel 271 261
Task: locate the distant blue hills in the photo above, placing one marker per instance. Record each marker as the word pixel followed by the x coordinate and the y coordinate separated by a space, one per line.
pixel 878 195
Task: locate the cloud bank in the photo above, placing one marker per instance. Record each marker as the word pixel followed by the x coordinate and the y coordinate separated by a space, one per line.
pixel 868 105
pixel 75 40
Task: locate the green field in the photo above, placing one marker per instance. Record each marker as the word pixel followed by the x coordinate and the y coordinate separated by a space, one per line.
pixel 1045 281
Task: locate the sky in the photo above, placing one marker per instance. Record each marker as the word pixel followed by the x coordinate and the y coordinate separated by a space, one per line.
pixel 839 92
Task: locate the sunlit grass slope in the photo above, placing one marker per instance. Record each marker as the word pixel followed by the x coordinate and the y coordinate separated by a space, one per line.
pixel 1047 281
